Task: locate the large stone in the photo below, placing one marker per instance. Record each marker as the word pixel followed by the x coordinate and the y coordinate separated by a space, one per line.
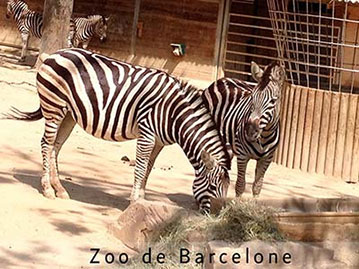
pixel 289 255
pixel 137 223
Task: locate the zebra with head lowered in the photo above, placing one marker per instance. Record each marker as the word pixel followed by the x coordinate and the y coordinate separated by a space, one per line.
pixel 27 21
pixel 117 101
pixel 248 119
pixel 82 30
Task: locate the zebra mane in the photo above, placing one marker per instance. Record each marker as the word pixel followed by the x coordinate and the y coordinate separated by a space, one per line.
pixel 97 17
pixel 193 91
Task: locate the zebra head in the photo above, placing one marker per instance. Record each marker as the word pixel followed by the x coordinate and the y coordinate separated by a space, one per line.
pixel 101 28
pixel 213 182
pixel 265 99
pixel 9 8
pixel 15 8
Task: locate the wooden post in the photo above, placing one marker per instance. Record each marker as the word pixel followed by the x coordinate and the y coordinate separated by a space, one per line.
pixel 57 14
pixel 221 37
pixel 136 14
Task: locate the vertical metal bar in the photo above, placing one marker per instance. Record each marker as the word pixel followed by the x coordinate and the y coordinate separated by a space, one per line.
pixel 342 47
pixel 307 54
pixel 332 71
pixel 296 42
pixel 319 39
pixel 286 43
pixel 354 63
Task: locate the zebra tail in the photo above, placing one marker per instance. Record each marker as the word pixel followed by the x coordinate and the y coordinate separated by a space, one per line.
pixel 15 114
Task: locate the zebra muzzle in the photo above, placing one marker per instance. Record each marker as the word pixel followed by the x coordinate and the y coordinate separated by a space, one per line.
pixel 253 130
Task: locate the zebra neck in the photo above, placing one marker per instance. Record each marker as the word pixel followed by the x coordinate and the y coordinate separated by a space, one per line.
pixel 19 9
pixel 197 133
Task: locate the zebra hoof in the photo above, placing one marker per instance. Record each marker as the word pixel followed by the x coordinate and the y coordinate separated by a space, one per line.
pixel 49 194
pixel 63 195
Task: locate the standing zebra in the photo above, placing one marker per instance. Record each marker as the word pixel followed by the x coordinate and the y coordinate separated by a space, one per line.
pixel 27 22
pixel 83 29
pixel 117 101
pixel 248 119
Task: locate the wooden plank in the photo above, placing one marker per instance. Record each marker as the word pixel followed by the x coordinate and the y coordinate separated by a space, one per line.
pixel 300 128
pixel 283 118
pixel 349 138
pixel 324 128
pixel 294 125
pixel 313 157
pixel 342 124
pixel 332 134
pixel 355 158
pixel 288 123
pixel 307 130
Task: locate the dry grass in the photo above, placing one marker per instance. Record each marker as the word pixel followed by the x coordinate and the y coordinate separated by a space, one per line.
pixel 239 221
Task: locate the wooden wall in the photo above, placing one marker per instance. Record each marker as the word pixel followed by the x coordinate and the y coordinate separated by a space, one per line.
pixel 320 132
pixel 192 22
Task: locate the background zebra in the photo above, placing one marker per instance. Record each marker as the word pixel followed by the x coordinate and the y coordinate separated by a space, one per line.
pixel 83 29
pixel 27 22
pixel 248 118
pixel 116 101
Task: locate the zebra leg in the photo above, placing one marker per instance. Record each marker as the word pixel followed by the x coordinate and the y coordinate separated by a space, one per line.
pixel 49 156
pixel 63 133
pixel 145 146
pixel 70 38
pixel 25 42
pixel 241 176
pixel 261 168
pixel 156 150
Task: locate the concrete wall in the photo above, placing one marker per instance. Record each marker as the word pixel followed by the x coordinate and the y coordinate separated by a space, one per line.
pixel 192 22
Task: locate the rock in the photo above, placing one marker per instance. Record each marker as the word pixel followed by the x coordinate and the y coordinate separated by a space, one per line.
pixel 125 159
pixel 137 223
pixel 345 251
pixel 260 254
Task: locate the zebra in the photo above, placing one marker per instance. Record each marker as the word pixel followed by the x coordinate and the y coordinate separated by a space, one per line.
pixel 83 29
pixel 248 119
pixel 117 101
pixel 27 21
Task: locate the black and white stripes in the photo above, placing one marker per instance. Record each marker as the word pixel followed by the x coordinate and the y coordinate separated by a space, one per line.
pixel 27 22
pixel 116 101
pixel 248 119
pixel 82 30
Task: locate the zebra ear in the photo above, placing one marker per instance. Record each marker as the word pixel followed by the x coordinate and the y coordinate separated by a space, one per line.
pixel 208 160
pixel 256 71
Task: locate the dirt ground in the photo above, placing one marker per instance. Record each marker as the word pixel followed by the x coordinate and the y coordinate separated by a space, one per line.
pixel 39 233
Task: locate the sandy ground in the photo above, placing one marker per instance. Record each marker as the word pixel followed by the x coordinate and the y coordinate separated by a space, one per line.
pixel 39 233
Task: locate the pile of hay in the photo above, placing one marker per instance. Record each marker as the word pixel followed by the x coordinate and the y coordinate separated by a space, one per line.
pixel 239 221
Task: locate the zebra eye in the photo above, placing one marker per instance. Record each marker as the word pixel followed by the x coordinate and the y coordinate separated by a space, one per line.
pixel 212 187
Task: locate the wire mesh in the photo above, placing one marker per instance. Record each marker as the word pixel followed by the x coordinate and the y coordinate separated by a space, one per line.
pixel 317 40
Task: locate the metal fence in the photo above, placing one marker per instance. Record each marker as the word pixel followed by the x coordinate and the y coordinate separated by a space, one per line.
pixel 318 42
